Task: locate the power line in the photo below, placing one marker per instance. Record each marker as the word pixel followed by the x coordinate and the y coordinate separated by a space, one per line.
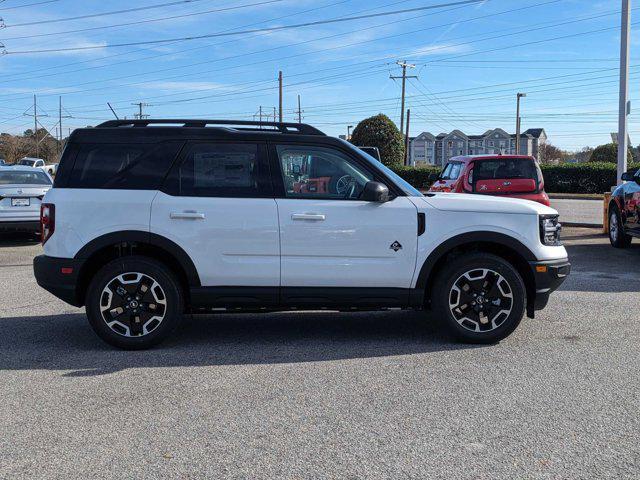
pixel 29 5
pixel 103 14
pixel 243 32
pixel 140 22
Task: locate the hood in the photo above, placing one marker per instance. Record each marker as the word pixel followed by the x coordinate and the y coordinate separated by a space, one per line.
pixel 23 190
pixel 465 202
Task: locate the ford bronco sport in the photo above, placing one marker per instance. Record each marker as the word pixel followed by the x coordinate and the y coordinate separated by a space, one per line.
pixel 149 219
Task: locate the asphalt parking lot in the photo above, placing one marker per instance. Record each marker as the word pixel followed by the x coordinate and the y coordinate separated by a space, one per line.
pixel 328 395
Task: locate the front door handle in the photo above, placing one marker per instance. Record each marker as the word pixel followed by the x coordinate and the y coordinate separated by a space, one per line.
pixel 189 215
pixel 308 216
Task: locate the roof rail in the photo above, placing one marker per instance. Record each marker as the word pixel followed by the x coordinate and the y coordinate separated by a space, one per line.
pixel 282 127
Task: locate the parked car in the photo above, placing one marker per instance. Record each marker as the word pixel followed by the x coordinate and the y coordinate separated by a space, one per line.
pixel 624 211
pixel 146 223
pixel 39 163
pixel 516 176
pixel 21 192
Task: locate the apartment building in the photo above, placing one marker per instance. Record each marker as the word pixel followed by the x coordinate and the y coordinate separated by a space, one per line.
pixel 427 148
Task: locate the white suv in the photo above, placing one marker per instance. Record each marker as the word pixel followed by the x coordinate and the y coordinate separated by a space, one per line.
pixel 152 218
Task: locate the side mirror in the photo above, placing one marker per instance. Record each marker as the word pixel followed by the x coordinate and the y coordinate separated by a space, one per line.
pixel 628 177
pixel 375 192
pixel 433 177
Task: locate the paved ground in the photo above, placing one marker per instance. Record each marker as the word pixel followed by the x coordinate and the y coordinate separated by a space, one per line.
pixel 579 210
pixel 326 395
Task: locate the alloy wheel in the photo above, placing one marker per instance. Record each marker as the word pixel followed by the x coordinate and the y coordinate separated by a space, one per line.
pixel 133 304
pixel 614 231
pixel 481 300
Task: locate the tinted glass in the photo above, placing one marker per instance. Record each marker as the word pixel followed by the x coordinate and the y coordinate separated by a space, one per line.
pixel 320 172
pixel 24 178
pixel 123 166
pixel 506 168
pixel 222 170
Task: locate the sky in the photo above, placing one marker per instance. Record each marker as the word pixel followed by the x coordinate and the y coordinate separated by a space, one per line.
pixel 220 59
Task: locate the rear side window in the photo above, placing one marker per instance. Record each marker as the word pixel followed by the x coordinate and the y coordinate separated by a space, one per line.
pixel 221 170
pixel 123 166
pixel 503 169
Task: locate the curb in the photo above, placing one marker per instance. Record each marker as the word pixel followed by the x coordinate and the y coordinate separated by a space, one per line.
pixel 568 196
pixel 582 225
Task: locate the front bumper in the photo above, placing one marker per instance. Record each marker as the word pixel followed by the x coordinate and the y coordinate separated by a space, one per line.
pixel 31 226
pixel 548 276
pixel 49 275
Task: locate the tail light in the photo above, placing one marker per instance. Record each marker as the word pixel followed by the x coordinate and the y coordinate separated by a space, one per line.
pixel 47 221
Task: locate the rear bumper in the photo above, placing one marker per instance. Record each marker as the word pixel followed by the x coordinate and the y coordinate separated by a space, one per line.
pixel 32 226
pixel 49 275
pixel 548 276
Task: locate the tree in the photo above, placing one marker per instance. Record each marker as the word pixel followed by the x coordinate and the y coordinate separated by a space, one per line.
pixel 379 131
pixel 549 153
pixel 608 153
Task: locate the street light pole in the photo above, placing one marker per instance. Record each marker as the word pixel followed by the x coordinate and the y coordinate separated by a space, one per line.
pixel 518 97
pixel 624 105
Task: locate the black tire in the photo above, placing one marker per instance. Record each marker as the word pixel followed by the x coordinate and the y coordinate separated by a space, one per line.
pixel 617 235
pixel 148 307
pixel 494 302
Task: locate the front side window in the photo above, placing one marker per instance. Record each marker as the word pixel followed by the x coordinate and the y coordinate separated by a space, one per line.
pixel 320 172
pixel 222 170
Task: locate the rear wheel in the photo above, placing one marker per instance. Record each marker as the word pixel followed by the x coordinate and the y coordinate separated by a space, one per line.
pixel 479 298
pixel 617 236
pixel 134 302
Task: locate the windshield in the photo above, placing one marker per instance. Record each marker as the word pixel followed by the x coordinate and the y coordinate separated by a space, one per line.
pixel 27 163
pixel 24 178
pixel 405 186
pixel 451 171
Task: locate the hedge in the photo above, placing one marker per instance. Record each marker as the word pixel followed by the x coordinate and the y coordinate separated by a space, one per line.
pixel 596 177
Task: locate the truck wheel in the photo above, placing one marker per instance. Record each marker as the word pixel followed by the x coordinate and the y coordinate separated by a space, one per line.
pixel 479 298
pixel 134 302
pixel 617 237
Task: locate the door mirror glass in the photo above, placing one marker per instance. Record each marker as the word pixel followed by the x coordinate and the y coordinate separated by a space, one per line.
pixel 375 192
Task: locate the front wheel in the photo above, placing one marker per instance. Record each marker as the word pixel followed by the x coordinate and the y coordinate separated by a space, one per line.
pixel 134 302
pixel 479 297
pixel 617 236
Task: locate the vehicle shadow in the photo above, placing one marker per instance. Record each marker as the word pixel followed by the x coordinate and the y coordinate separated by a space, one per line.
pixel 67 343
pixel 18 239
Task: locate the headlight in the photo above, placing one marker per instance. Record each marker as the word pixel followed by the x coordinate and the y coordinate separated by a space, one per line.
pixel 550 230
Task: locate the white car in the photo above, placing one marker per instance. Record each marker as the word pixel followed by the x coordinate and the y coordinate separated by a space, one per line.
pixel 201 216
pixel 50 168
pixel 21 191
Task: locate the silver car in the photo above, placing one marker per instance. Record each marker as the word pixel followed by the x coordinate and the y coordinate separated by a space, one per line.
pixel 21 190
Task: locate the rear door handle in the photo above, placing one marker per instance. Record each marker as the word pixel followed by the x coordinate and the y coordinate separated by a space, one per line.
pixel 187 215
pixel 308 216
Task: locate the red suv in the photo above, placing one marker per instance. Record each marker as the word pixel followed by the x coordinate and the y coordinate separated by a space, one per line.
pixel 517 176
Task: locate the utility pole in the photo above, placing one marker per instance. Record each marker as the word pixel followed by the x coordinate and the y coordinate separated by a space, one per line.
pixel 349 127
pixel 518 97
pixel 280 93
pixel 299 111
pixel 274 114
pixel 406 138
pixel 35 124
pixel 140 115
pixel 624 107
pixel 113 111
pixel 404 77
